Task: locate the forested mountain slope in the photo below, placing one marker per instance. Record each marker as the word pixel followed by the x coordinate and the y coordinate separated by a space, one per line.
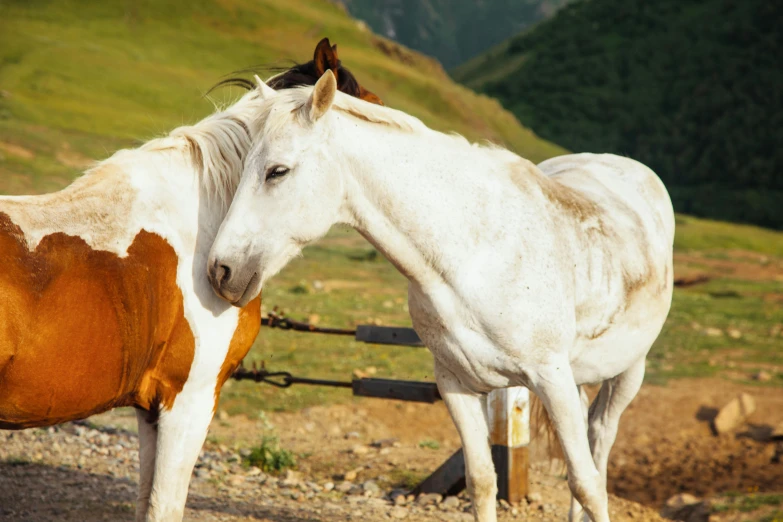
pixel 692 88
pixel 452 31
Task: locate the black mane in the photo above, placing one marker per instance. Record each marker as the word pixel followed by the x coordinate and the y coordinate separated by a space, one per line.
pixel 299 74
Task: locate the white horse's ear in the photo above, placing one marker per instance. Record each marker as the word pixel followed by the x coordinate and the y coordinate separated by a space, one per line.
pixel 265 90
pixel 323 95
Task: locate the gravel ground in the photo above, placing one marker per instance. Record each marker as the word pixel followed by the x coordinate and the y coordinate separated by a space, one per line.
pixel 76 472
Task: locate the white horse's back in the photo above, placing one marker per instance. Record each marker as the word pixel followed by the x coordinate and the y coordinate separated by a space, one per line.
pixel 607 178
pixel 623 265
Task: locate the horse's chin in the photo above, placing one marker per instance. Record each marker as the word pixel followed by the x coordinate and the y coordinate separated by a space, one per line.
pixel 251 291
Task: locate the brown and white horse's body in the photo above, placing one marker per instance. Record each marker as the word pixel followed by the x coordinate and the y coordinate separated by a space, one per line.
pixel 104 300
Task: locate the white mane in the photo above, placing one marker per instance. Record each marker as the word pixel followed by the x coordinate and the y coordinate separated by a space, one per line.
pixel 218 144
pixel 290 101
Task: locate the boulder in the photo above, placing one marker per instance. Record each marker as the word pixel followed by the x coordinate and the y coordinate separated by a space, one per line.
pixel 734 413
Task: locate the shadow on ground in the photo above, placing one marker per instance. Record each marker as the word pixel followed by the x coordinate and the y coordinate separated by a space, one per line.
pixel 40 493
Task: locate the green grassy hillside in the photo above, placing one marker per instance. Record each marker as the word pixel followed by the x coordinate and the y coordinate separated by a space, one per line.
pixel 690 88
pixel 79 79
pixel 452 31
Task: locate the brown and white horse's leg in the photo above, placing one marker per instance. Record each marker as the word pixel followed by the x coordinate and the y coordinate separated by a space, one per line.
pixel 467 411
pixel 181 434
pixel 555 386
pixel 148 440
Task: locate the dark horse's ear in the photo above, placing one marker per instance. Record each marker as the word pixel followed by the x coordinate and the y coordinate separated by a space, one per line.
pixel 325 58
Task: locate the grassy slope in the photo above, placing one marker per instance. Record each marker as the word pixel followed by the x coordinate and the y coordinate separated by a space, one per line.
pixel 688 88
pixel 79 79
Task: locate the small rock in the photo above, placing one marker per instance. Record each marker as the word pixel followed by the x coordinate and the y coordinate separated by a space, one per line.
pixel 360 450
pixel 344 487
pixel 329 486
pixel 291 476
pixel 398 493
pixel 713 332
pixel 351 475
pixel 253 471
pixel 236 480
pixel 680 507
pixel 777 433
pixel 682 500
pixel 734 333
pixel 314 319
pixel 223 415
pixel 398 512
pixel 450 503
pixel 534 497
pixel 762 376
pixel 383 443
pixel 352 435
pixel 371 486
pixel 734 413
pixel 426 499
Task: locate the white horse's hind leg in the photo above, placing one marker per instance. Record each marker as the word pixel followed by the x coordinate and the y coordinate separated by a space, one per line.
pixel 555 386
pixel 467 411
pixel 148 440
pixel 577 513
pixel 615 396
pixel 181 434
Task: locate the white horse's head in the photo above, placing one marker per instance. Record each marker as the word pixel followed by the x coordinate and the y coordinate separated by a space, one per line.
pixel 290 194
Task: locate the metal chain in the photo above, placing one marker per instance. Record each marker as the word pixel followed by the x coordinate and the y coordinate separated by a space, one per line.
pixel 278 320
pixel 281 379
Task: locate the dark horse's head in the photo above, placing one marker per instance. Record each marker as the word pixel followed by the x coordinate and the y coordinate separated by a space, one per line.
pixel 324 58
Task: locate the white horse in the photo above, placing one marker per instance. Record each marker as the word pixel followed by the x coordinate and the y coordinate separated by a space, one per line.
pixel 548 277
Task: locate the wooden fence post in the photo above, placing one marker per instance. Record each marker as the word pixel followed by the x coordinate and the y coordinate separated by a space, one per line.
pixel 508 412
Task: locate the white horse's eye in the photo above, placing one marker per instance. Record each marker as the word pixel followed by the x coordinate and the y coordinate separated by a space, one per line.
pixel 276 172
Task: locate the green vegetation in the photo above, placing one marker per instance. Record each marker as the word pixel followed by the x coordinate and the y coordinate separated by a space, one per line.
pixel 270 457
pixel 452 31
pixel 80 79
pixel 755 505
pixel 429 444
pixel 406 478
pixel 691 89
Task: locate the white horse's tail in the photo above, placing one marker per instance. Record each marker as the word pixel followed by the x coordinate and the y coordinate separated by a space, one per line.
pixel 541 428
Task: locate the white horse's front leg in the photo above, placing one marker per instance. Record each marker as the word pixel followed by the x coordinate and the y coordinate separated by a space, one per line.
pixel 148 440
pixel 556 388
pixel 467 411
pixel 181 434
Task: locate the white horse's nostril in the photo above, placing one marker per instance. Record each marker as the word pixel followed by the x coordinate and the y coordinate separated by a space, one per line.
pixel 223 275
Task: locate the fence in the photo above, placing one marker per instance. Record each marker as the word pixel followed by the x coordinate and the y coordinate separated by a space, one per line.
pixel 508 410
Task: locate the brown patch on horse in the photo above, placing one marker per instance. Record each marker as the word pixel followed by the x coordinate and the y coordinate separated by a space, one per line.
pixel 83 331
pixel 248 325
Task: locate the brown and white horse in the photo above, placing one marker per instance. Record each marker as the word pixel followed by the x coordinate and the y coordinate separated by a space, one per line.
pixel 104 300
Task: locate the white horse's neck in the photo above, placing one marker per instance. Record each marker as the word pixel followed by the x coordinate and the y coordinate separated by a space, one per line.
pixel 427 201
